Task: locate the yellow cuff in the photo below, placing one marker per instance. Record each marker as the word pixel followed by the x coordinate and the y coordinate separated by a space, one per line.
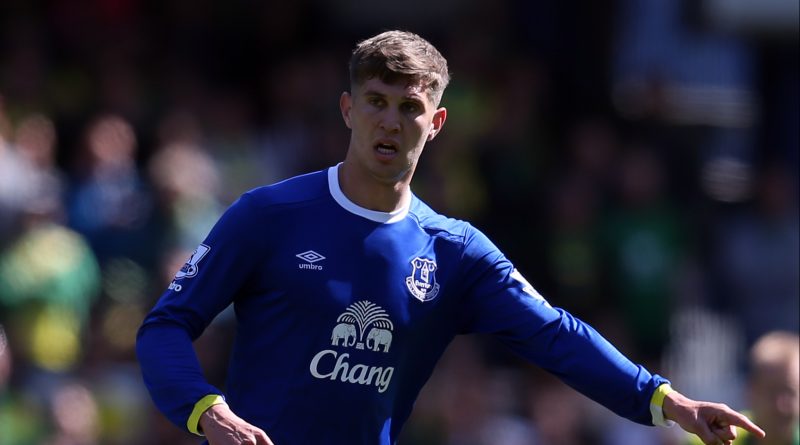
pixel 657 405
pixel 199 408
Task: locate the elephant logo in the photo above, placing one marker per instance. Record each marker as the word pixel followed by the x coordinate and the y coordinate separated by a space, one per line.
pixel 358 319
pixel 422 282
pixel 346 332
pixel 380 337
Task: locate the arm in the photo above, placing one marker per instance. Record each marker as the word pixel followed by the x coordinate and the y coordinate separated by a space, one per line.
pixel 211 279
pixel 714 423
pixel 172 373
pixel 500 301
pixel 504 303
pixel 170 369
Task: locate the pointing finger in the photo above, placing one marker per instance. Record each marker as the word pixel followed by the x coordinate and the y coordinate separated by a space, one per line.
pixel 262 438
pixel 743 422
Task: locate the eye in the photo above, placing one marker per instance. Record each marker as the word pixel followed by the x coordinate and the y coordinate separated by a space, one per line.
pixel 410 107
pixel 376 101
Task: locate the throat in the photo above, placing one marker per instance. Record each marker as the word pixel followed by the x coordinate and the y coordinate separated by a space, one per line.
pixel 372 193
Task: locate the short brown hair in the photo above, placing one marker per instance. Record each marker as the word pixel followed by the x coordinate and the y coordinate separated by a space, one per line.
pixel 776 348
pixel 395 56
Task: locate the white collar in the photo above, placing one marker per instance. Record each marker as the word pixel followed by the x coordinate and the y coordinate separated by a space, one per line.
pixel 350 206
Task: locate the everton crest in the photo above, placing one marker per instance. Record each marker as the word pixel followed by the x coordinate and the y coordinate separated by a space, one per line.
pixel 422 282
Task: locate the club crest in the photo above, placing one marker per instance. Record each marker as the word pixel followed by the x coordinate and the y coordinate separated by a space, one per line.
pixel 422 282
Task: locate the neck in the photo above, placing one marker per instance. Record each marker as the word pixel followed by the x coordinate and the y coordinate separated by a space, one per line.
pixel 371 193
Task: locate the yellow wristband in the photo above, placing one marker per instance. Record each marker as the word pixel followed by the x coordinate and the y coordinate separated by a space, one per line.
pixel 199 408
pixel 657 405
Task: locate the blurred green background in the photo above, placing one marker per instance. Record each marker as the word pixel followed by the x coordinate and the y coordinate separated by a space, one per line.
pixel 636 160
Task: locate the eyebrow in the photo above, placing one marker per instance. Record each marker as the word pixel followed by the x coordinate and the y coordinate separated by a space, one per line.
pixel 414 98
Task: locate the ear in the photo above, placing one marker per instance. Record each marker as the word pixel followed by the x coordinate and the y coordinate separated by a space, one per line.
pixel 439 116
pixel 345 105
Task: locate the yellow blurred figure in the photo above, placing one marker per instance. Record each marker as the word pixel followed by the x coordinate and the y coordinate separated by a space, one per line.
pixel 48 279
pixel 773 390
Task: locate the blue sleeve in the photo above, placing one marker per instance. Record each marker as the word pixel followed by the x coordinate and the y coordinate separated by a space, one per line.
pixel 211 279
pixel 501 302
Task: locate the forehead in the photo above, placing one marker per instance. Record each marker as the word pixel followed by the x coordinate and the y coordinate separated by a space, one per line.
pixel 778 374
pixel 396 89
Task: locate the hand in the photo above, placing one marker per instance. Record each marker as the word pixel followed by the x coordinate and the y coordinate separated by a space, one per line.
pixel 713 423
pixel 222 427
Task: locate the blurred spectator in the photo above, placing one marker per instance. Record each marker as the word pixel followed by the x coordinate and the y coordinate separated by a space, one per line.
pixel 110 203
pixel 122 411
pixel 35 140
pixel 645 242
pixel 572 249
pixel 49 278
pixel 757 252
pixel 577 194
pixel 773 389
pixel 20 417
pixel 559 413
pixel 75 416
pixel 17 181
pixel 187 186
pixel 699 336
pixel 469 401
pixel 232 143
pixel 593 144
pixel 503 155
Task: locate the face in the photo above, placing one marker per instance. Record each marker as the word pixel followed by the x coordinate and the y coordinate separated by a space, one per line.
pixel 390 125
pixel 775 398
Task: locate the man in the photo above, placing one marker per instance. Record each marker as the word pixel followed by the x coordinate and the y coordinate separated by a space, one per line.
pixel 773 389
pixel 347 289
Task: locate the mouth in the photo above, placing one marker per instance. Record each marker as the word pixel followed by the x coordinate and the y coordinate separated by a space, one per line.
pixel 385 150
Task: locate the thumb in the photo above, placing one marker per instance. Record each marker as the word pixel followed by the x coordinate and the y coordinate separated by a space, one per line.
pixel 725 432
pixel 706 435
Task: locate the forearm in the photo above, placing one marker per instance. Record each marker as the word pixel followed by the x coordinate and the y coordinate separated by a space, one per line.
pixel 171 371
pixel 590 364
pixel 672 405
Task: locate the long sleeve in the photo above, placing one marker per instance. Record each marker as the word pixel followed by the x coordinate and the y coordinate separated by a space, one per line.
pixel 500 301
pixel 214 276
pixel 171 371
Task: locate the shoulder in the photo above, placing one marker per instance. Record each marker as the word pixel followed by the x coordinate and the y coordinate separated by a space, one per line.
pixel 452 229
pixel 261 205
pixel 437 224
pixel 297 190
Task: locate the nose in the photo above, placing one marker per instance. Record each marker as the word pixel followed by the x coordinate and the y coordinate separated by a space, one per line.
pixel 786 403
pixel 390 122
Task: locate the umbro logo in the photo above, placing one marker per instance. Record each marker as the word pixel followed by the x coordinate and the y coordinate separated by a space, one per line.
pixel 310 257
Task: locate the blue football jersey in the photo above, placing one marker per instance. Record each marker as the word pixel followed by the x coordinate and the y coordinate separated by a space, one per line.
pixel 343 312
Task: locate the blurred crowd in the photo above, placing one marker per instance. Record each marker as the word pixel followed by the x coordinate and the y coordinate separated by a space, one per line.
pixel 637 161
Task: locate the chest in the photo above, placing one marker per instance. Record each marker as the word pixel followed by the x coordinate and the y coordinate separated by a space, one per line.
pixel 363 279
